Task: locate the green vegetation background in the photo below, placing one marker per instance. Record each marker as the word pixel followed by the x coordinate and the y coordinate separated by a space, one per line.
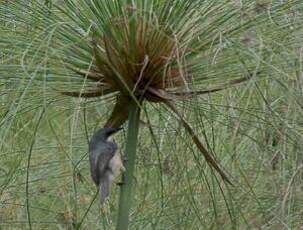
pixel 255 130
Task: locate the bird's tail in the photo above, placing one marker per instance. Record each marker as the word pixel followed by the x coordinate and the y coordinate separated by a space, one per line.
pixel 104 189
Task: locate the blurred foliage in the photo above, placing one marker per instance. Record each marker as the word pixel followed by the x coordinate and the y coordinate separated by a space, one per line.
pixel 255 130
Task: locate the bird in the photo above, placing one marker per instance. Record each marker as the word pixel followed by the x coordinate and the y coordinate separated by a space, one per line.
pixel 105 160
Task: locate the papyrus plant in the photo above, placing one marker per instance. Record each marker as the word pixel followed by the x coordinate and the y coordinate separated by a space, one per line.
pixel 136 52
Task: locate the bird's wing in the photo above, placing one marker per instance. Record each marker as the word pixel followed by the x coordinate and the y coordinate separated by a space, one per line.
pixel 104 154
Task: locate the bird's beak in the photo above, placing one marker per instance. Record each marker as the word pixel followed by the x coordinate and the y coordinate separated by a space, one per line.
pixel 116 130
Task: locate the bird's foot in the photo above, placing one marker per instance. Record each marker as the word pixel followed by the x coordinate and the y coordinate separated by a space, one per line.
pixel 125 159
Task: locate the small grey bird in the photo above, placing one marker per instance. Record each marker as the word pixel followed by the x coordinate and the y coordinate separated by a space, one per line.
pixel 105 160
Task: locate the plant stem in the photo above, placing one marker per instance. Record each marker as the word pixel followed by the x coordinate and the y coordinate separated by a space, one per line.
pixel 130 154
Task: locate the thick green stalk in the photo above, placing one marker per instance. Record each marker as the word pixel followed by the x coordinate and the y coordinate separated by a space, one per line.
pixel 130 154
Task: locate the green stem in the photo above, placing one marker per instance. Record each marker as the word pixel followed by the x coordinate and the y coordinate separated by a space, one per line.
pixel 130 154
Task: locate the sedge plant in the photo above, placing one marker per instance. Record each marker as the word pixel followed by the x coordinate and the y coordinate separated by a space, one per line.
pixel 133 52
